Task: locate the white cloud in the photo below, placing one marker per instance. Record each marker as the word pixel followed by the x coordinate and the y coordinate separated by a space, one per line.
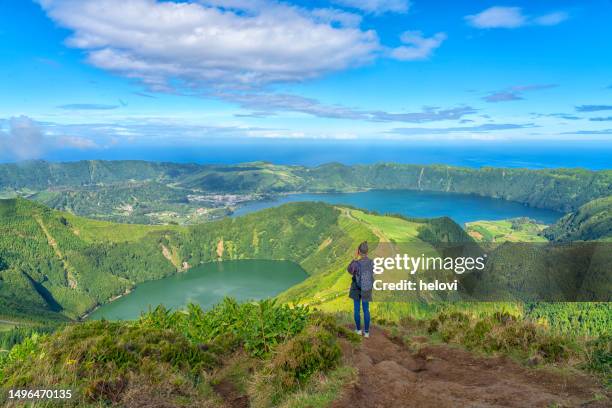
pixel 265 104
pixel 498 17
pixel 512 17
pixel 23 140
pixel 331 16
pixel 218 44
pixel 487 127
pixel 377 6
pixel 551 19
pixel 417 47
pixel 77 142
pixel 26 139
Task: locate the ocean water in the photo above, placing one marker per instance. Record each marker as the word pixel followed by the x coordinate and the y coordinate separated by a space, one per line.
pixel 594 155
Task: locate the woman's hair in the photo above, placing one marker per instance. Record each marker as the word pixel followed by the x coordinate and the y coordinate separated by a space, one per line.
pixel 363 248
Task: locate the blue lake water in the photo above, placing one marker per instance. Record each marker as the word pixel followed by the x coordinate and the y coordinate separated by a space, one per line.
pixel 461 208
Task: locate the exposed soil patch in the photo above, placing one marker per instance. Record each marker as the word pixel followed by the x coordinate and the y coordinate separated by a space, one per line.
pixel 390 375
pixel 232 397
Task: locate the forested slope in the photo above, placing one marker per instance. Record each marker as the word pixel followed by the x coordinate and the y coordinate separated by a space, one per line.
pixel 54 262
pixel 110 184
pixel 591 221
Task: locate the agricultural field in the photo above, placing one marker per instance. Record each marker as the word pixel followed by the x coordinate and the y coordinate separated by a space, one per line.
pixel 514 230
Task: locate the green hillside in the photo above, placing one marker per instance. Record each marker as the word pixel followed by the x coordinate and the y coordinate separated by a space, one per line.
pixel 61 265
pixel 161 193
pixel 56 262
pixel 39 175
pixel 592 221
pixel 55 266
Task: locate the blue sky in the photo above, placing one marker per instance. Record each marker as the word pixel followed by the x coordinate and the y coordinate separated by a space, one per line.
pixel 91 75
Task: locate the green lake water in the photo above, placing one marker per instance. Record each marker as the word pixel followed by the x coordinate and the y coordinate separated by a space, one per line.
pixel 206 285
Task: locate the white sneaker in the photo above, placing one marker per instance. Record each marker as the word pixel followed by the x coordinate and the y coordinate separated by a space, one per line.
pixel 358 332
pixel 366 335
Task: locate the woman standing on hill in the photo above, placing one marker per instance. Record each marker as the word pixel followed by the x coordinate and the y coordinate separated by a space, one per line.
pixel 362 270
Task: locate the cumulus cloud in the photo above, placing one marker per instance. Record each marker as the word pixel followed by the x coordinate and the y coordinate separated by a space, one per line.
pixel 514 93
pixel 334 16
pixel 23 140
pixel 497 17
pixel 376 6
pixel 214 43
pixel 593 108
pixel 512 17
pixel 235 50
pixel 417 47
pixel 488 127
pixel 26 139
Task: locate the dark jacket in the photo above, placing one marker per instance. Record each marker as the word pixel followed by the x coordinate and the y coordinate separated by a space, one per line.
pixel 362 271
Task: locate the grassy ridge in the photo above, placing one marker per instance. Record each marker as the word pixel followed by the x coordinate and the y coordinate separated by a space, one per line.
pixel 182 358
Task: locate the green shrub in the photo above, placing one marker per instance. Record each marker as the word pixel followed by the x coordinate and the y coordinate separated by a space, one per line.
pixel 449 326
pixel 599 357
pixel 315 349
pixel 258 327
pixel 502 332
pixel 171 356
pixel 26 350
pixel 328 322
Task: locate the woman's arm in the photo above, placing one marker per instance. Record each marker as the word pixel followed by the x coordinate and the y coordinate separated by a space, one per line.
pixel 352 267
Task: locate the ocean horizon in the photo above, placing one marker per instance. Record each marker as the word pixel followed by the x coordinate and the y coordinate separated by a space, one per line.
pixel 594 155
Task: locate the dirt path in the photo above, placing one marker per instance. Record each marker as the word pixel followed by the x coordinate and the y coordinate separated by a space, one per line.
pixel 442 376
